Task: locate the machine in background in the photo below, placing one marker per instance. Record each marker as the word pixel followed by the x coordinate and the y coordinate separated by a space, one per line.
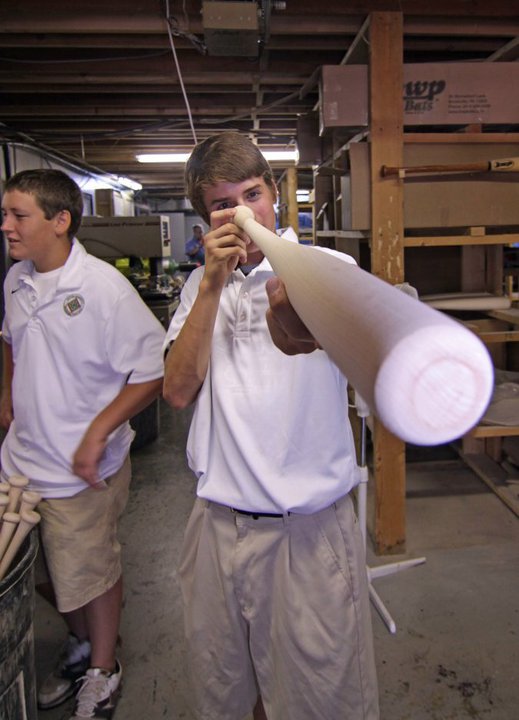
pixel 145 243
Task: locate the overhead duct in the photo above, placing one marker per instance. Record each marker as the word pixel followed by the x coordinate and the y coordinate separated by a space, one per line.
pixel 231 28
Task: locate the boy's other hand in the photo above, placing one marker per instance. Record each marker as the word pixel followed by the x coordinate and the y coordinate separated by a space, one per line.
pixel 85 462
pixel 287 330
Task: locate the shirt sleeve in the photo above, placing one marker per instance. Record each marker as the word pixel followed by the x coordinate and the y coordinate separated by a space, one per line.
pixel 134 339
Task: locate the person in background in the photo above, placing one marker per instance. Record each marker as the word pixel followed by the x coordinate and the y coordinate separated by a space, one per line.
pixel 194 247
pixel 82 354
pixel 272 568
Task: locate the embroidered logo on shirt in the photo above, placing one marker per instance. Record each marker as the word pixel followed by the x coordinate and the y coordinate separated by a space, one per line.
pixel 73 304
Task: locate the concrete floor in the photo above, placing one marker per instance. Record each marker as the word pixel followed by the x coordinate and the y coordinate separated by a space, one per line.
pixel 455 654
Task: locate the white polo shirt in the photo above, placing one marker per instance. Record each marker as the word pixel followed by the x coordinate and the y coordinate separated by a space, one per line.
pixel 270 432
pixel 73 352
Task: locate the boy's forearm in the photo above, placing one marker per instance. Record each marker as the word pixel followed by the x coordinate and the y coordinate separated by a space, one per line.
pixel 188 359
pixel 131 400
pixel 7 366
pixel 6 396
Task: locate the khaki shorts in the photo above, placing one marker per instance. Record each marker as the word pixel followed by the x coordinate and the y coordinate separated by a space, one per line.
pixel 79 541
pixel 278 607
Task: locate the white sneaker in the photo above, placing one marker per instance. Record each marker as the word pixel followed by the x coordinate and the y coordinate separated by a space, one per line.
pixel 73 662
pixel 98 694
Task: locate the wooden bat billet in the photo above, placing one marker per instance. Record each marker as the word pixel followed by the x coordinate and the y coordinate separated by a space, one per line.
pixel 28 519
pixel 9 522
pixel 4 488
pixel 505 165
pixel 17 484
pixel 4 502
pixel 426 377
pixel 29 500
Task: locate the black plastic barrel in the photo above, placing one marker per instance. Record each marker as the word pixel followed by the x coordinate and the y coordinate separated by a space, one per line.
pixel 17 672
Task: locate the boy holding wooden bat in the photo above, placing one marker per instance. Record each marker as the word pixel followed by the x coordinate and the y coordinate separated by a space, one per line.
pixel 272 568
pixel 82 354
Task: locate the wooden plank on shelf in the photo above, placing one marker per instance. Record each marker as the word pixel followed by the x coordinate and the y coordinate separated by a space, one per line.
pixel 445 240
pixel 486 431
pixel 461 138
pixel 491 329
pixel 498 336
pixel 355 234
pixel 511 315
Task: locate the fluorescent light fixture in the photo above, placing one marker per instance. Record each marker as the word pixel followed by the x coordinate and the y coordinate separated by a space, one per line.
pixel 279 155
pixel 129 183
pixel 163 157
pixel 110 182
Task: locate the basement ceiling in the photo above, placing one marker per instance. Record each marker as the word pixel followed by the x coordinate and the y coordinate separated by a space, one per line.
pixel 97 82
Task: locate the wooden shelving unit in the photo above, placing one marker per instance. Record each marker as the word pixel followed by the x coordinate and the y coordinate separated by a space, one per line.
pixel 479 251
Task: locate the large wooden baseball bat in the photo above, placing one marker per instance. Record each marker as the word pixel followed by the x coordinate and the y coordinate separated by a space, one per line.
pixel 505 165
pixel 426 377
pixel 28 519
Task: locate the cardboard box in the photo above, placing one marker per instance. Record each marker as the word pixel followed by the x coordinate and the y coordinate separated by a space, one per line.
pixel 438 201
pixel 231 28
pixel 309 144
pixel 432 94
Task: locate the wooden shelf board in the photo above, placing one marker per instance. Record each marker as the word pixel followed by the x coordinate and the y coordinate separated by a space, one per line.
pixel 340 233
pixel 461 137
pixel 499 336
pixel 484 431
pixel 511 315
pixel 444 240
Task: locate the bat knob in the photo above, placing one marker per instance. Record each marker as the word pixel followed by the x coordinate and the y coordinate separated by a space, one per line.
pixel 242 214
pixel 18 481
pixel 11 517
pixel 31 517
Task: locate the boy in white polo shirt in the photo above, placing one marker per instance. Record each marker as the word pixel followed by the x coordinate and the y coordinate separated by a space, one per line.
pixel 272 568
pixel 82 354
